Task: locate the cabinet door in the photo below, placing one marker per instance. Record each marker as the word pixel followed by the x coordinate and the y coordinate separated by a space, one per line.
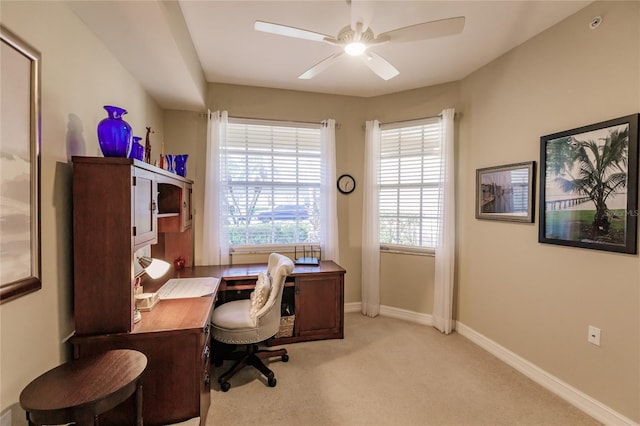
pixel 318 306
pixel 187 213
pixel 145 219
pixel 171 381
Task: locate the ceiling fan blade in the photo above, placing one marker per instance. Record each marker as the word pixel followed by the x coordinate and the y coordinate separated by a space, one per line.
pixel 380 66
pixel 284 30
pixel 425 30
pixel 320 66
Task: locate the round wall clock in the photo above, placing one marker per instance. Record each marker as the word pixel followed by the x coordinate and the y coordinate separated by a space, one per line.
pixel 346 184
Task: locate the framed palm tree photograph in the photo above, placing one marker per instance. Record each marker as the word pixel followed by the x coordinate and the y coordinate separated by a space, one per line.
pixel 589 186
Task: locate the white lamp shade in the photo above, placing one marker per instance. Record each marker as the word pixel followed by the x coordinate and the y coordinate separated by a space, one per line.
pixel 155 268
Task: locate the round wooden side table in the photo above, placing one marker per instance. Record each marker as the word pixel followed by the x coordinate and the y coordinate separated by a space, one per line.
pixel 82 389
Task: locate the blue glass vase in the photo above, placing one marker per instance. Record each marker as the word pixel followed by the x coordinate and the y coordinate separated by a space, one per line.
pixel 168 161
pixel 137 149
pixel 114 134
pixel 181 164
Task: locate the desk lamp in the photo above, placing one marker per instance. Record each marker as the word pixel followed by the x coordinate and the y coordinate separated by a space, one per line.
pixel 153 267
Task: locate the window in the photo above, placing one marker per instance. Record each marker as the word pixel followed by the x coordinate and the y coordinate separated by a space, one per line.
pixel 272 184
pixel 409 178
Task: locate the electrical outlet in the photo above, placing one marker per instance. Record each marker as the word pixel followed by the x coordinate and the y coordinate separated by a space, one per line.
pixel 594 335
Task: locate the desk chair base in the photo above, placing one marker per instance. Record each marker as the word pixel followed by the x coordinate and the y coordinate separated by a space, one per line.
pixel 251 357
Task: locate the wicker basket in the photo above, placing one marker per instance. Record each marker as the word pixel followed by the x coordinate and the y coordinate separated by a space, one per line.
pixel 286 326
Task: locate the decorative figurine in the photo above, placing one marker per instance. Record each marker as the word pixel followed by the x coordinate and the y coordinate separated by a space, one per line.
pixel 147 147
pixel 179 263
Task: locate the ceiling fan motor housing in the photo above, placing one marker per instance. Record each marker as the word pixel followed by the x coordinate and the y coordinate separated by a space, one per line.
pixel 347 35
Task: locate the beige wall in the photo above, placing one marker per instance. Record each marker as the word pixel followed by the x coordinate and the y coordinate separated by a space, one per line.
pixel 79 76
pixel 537 300
pixel 534 299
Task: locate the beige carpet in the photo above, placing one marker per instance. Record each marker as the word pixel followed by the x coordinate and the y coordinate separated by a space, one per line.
pixel 389 372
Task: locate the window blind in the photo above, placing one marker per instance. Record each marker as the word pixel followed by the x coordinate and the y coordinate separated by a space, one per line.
pixel 409 178
pixel 272 183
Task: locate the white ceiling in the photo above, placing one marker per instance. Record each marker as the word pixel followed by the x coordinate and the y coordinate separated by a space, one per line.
pixel 229 50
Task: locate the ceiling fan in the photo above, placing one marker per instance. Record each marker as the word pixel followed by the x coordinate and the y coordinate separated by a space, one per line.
pixel 357 38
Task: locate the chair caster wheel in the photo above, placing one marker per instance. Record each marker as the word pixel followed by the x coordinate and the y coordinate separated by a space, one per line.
pixel 272 382
pixel 225 386
pixel 285 358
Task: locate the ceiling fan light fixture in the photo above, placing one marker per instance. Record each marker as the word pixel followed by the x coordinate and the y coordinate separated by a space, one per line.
pixel 355 48
pixel 355 41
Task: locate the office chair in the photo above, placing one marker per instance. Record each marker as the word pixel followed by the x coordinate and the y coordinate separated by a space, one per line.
pixel 246 322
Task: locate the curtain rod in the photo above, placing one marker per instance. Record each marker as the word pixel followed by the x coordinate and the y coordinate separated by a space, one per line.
pixel 413 119
pixel 270 119
pixel 320 123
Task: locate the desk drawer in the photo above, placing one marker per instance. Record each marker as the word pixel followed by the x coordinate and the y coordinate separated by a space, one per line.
pixel 239 284
pixel 233 294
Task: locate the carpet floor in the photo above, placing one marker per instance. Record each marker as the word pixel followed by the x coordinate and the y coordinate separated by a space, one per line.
pixel 389 372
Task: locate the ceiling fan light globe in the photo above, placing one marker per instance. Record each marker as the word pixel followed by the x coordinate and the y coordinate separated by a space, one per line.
pixel 355 49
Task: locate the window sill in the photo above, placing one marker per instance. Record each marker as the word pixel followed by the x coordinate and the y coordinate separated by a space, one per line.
pixel 271 248
pixel 415 251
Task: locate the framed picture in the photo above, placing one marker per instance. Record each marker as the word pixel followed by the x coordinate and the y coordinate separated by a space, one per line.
pixel 20 167
pixel 506 192
pixel 589 186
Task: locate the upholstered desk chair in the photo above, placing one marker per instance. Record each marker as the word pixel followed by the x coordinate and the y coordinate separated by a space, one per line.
pixel 250 321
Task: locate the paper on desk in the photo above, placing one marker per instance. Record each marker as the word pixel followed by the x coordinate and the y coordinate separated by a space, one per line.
pixel 180 288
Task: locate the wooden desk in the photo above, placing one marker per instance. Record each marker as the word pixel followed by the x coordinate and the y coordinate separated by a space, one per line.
pixel 316 294
pixel 80 390
pixel 174 336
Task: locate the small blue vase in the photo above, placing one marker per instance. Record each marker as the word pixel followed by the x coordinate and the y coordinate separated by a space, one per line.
pixel 181 164
pixel 137 150
pixel 114 134
pixel 168 160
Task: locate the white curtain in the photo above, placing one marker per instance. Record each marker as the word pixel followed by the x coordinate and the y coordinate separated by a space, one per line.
pixel 215 246
pixel 445 251
pixel 370 227
pixel 328 193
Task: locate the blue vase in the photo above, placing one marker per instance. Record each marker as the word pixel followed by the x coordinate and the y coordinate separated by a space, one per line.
pixel 168 161
pixel 114 134
pixel 137 149
pixel 181 164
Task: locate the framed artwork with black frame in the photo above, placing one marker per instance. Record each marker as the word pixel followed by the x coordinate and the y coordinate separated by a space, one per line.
pixel 506 192
pixel 20 169
pixel 589 186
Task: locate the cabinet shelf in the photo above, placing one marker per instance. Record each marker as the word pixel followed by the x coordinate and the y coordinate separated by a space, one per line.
pixel 161 215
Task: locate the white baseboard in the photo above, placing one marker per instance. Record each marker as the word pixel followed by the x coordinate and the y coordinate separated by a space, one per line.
pixel 579 399
pixel 353 307
pixel 391 312
pixel 403 314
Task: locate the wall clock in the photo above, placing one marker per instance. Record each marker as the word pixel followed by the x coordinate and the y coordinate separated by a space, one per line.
pixel 346 184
